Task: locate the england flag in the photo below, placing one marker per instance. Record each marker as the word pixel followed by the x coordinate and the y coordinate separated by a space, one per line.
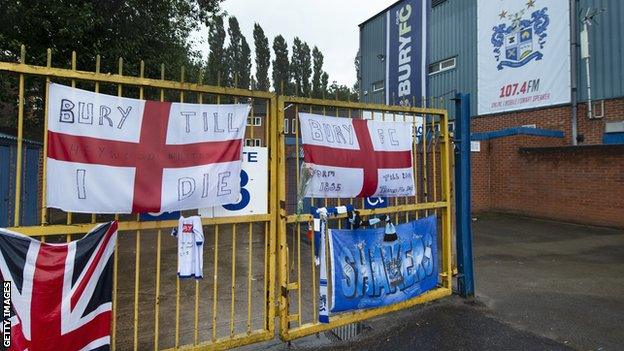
pixel 352 157
pixel 109 154
pixel 60 293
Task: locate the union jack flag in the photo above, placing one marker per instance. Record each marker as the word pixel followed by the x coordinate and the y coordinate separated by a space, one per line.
pixel 60 293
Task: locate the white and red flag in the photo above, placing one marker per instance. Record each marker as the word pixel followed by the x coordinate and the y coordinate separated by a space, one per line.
pixel 109 154
pixel 357 157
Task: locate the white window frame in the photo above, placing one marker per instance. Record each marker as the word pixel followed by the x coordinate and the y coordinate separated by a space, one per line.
pixel 286 126
pixel 293 127
pixel 438 65
pixel 376 89
pixel 257 121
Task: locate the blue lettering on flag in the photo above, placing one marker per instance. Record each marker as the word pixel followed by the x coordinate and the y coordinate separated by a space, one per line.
pixel 368 272
pixel 375 202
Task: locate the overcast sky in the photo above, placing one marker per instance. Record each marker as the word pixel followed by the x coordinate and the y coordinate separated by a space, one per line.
pixel 332 25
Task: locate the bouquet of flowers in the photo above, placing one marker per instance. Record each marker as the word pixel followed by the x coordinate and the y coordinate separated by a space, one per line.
pixel 305 175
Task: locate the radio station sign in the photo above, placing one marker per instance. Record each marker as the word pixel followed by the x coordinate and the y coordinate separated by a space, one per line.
pixel 523 54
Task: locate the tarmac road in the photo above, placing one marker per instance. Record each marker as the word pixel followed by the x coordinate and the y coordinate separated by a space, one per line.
pixel 541 285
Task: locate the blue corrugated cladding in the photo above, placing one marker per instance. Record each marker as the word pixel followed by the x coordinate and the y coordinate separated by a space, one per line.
pixel 373 54
pixel 606 48
pixel 452 31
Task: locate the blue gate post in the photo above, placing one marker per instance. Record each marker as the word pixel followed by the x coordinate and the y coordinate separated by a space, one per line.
pixel 463 218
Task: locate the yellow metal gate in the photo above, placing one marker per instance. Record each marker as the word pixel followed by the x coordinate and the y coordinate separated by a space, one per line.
pixel 298 274
pixel 152 309
pixel 236 303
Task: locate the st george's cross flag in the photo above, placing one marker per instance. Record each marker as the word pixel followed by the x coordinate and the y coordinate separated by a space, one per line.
pixel 109 154
pixel 60 293
pixel 356 157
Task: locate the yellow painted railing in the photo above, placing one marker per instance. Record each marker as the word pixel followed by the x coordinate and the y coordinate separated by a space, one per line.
pixel 243 292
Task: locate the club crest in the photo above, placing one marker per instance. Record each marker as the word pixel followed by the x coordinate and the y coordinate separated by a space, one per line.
pixel 518 40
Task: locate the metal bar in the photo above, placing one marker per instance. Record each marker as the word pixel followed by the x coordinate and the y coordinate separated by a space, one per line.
pixel 200 100
pixel 400 208
pixel 97 90
pixel 177 306
pixel 415 155
pixel 266 124
pixel 216 256
pixel 228 342
pixel 274 201
pixel 81 228
pixel 137 260
pixel 425 173
pixel 214 284
pixel 447 213
pixel 396 199
pixel 356 316
pixel 299 271
pixel 177 314
pixel 158 251
pixel 465 281
pixel 358 105
pixel 266 273
pixel 73 85
pixel 128 80
pixel 249 271
pixel 233 280
pixel 157 299
pixel 434 138
pixel 338 200
pixel 114 302
pixel 251 132
pixel 44 180
pixel 120 93
pixel 137 265
pixel 313 264
pixel 283 249
pixel 20 139
pixel 406 199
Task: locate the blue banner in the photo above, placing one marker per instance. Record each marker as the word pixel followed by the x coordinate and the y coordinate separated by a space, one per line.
pixel 406 52
pixel 368 272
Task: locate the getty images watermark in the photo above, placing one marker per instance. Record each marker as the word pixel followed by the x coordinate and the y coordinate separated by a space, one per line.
pixel 6 314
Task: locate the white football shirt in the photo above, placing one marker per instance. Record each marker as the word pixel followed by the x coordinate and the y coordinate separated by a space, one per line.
pixel 190 236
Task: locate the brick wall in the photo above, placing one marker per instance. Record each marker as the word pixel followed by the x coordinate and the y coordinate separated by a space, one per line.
pixel 545 177
pixel 556 118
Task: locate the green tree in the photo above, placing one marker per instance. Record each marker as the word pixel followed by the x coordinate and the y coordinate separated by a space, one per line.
pixel 342 92
pixel 295 65
pixel 301 67
pixel 317 56
pixel 216 57
pixel 238 56
pixel 305 69
pixel 244 65
pixel 263 58
pixel 281 66
pixel 233 51
pixel 324 83
pixel 156 31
